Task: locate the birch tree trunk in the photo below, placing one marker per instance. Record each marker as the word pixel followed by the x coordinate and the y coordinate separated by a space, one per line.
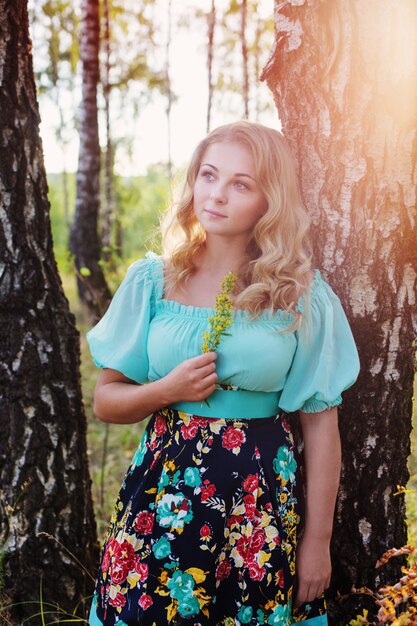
pixel 343 75
pixel 109 208
pixel 47 528
pixel 168 86
pixel 84 241
pixel 211 27
pixel 245 77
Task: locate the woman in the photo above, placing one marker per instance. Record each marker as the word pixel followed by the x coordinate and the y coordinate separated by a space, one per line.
pixel 212 524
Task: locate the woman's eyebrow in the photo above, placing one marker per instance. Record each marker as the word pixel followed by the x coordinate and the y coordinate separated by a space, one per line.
pixel 237 174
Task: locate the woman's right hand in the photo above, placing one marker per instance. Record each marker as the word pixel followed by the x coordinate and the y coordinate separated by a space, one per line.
pixel 192 380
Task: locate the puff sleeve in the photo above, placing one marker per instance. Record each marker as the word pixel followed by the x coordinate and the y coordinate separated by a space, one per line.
pixel 326 361
pixel 119 339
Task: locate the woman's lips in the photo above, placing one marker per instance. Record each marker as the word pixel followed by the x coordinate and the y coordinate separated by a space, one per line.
pixel 214 213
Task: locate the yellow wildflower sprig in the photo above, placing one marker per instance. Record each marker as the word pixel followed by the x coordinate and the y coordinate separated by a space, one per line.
pixel 223 315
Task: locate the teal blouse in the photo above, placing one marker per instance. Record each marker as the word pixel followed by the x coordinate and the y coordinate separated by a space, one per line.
pixel 145 336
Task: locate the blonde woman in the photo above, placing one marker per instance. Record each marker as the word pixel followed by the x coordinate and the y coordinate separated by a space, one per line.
pixel 213 524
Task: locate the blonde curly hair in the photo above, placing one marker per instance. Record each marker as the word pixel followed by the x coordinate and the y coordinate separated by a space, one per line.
pixel 279 252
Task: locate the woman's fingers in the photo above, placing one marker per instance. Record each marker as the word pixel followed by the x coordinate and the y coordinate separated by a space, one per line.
pixel 307 592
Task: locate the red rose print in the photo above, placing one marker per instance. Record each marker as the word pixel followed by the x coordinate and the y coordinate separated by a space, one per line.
pixel 233 438
pixel 160 425
pixel 145 601
pixel 123 551
pixel 235 519
pixel 200 421
pixel 281 578
pixel 205 531
pixel 223 569
pixel 242 546
pixel 207 491
pixel 106 560
pixel 143 523
pixel 257 540
pixel 256 572
pixel 251 483
pixel 249 502
pixel 119 572
pixel 107 554
pixel 119 600
pixel 140 568
pixel 190 431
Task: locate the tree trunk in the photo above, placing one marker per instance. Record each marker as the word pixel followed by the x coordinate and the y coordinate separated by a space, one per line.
pixel 256 52
pixel 108 213
pixel 168 86
pixel 211 26
pixel 47 529
pixel 245 93
pixel 84 241
pixel 343 75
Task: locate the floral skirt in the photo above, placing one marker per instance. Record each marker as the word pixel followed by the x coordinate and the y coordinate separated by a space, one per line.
pixel 205 528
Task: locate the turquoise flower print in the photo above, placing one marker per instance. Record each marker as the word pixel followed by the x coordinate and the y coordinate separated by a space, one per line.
pixel 181 585
pixel 285 464
pixel 189 606
pixel 280 616
pixel 245 614
pixel 141 451
pixel 161 548
pixel 192 477
pixel 163 480
pixel 173 511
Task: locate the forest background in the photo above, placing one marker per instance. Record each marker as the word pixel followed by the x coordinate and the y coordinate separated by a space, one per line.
pixel 143 148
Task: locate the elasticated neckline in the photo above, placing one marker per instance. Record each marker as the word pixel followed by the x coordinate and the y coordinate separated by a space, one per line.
pixel 189 310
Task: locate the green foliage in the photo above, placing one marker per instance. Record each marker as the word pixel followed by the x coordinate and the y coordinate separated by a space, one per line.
pixel 139 200
pixel 228 54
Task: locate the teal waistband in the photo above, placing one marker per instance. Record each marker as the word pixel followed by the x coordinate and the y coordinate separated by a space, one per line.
pixel 237 404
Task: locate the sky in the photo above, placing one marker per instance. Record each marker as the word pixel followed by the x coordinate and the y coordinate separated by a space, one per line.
pixel 188 116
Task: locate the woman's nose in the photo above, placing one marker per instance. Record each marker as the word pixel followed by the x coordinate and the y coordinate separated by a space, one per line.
pixel 218 195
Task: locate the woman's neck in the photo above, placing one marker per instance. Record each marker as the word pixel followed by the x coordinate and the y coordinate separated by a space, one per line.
pixel 220 257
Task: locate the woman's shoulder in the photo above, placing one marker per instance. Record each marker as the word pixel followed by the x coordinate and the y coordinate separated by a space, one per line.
pixel 146 274
pixel 145 267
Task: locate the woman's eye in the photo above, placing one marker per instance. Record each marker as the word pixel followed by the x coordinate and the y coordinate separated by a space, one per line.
pixel 207 175
pixel 241 185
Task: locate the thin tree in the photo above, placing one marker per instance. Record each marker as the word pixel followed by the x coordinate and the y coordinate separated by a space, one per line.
pixel 344 76
pixel 211 27
pixel 47 528
pixel 168 88
pixel 54 30
pixel 84 240
pixel 108 213
pixel 245 78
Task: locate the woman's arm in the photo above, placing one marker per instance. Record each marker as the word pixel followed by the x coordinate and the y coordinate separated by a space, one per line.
pixel 120 400
pixel 322 455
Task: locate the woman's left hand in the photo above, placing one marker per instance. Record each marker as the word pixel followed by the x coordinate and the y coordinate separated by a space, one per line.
pixel 313 568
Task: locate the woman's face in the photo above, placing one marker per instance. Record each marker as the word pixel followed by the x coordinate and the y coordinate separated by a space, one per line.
pixel 227 198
